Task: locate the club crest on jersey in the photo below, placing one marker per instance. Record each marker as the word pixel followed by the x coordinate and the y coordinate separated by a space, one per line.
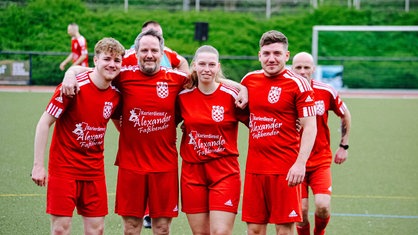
pixel 274 94
pixel 162 89
pixel 320 107
pixel 217 113
pixel 107 110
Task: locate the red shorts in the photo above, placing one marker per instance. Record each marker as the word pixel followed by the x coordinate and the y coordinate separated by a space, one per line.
pixel 89 197
pixel 213 185
pixel 320 181
pixel 134 190
pixel 268 199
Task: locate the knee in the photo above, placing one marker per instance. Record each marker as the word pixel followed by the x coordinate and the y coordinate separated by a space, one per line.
pixel 256 229
pixel 97 229
pixel 323 210
pixel 131 225
pixel 305 211
pixel 60 228
pixel 161 226
pixel 221 231
pixel 161 229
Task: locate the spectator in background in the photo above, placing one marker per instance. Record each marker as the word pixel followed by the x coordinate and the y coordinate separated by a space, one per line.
pixel 277 152
pixel 170 58
pixel 210 174
pixel 79 54
pixel 76 177
pixel 318 167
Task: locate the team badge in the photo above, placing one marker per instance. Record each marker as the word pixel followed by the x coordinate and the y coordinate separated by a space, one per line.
pixel 217 113
pixel 274 94
pixel 107 110
pixel 162 89
pixel 320 107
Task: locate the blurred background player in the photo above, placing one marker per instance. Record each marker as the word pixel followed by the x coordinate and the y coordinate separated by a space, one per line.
pixel 76 177
pixel 318 167
pixel 79 54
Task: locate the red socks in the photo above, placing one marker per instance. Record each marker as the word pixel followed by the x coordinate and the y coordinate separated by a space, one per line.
pixel 303 230
pixel 320 225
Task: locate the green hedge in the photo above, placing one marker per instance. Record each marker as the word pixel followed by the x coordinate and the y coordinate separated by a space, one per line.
pixel 41 26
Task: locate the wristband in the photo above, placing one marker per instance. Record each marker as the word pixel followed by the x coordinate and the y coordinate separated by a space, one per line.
pixel 344 146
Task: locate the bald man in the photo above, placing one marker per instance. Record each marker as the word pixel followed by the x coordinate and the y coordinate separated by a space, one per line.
pixel 318 167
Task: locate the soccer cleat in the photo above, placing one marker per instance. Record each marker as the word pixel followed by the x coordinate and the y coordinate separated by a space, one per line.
pixel 147 221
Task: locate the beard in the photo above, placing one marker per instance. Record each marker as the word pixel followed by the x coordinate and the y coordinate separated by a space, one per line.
pixel 149 69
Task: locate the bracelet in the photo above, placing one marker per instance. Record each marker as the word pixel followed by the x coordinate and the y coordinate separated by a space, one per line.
pixel 344 146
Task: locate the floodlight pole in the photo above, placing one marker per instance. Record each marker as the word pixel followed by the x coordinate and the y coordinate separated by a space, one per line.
pixel 197 5
pixel 268 9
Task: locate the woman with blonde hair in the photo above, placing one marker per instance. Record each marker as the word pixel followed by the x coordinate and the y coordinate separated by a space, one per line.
pixel 210 174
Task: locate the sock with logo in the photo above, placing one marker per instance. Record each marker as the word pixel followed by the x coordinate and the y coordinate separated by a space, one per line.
pixel 304 230
pixel 320 225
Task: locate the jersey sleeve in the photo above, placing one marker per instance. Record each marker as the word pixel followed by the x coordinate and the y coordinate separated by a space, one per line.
pixel 305 102
pixel 173 57
pixel 57 104
pixel 129 58
pixel 338 106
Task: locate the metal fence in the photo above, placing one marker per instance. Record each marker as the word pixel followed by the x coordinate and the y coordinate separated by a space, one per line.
pixel 267 7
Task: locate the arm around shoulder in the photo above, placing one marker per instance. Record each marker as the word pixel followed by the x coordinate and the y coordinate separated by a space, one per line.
pixel 70 87
pixel 242 99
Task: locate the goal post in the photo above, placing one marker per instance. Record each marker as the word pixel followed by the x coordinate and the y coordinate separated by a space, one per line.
pixel 353 28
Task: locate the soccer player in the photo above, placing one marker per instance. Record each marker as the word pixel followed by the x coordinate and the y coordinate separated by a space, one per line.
pixel 79 54
pixel 170 59
pixel 76 177
pixel 318 167
pixel 210 174
pixel 277 152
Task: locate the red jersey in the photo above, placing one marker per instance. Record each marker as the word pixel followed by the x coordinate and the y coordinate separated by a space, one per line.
pixel 274 104
pixel 326 98
pixel 147 140
pixel 170 58
pixel 210 124
pixel 78 48
pixel 77 145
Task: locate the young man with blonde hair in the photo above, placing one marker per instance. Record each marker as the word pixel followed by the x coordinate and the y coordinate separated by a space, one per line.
pixel 76 177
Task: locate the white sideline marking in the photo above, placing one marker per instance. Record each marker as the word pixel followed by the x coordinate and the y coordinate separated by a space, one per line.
pixel 381 216
pixel 376 216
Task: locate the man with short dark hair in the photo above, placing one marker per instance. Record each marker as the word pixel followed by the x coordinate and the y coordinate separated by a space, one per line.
pixel 277 152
